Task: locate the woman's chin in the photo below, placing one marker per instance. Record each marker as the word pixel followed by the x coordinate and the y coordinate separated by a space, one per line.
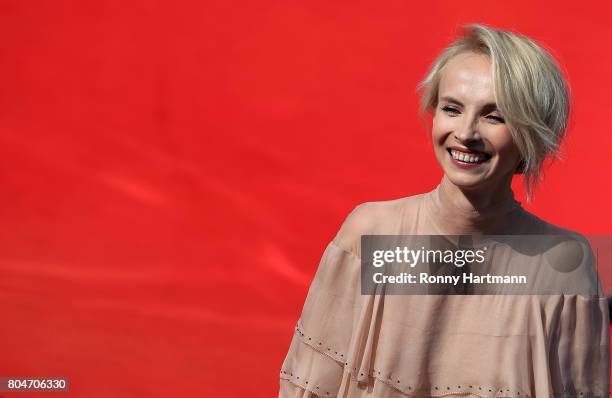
pixel 467 181
pixel 477 181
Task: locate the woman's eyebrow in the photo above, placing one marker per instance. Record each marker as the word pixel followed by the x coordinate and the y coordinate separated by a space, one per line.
pixel 490 107
pixel 451 100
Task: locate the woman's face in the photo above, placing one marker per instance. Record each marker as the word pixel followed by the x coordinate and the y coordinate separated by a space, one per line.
pixel 471 139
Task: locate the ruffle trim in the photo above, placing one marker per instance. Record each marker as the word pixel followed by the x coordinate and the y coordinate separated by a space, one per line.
pixel 394 381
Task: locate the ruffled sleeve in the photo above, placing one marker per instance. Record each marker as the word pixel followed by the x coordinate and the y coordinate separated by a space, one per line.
pixel 320 350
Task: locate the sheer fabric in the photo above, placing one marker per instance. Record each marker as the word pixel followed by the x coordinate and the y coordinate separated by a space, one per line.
pixel 350 345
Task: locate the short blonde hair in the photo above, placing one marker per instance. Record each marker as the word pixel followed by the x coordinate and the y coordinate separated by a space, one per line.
pixel 529 87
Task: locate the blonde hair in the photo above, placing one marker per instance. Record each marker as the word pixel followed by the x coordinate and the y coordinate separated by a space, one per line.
pixel 530 92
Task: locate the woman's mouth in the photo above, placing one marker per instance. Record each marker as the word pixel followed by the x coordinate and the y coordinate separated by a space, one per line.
pixel 468 159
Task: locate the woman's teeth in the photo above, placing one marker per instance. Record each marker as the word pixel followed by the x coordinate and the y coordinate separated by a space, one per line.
pixel 467 158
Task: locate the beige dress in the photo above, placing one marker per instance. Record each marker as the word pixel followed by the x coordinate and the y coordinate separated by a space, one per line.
pixel 350 345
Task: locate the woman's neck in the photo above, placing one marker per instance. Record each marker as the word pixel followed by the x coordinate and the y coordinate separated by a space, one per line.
pixel 457 211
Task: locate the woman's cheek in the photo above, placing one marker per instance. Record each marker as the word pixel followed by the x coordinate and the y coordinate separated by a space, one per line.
pixel 501 140
pixel 441 128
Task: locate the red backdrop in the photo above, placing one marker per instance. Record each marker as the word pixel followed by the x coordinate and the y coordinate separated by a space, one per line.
pixel 171 171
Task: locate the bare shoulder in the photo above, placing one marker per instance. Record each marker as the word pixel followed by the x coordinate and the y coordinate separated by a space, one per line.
pixel 372 218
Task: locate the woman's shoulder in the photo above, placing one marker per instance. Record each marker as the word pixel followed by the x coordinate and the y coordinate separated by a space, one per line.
pixel 533 224
pixel 373 217
pixel 565 248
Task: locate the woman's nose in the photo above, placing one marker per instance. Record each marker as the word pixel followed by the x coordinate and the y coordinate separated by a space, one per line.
pixel 468 130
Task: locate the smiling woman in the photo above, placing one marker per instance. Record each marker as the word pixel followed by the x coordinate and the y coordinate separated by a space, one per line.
pixel 472 141
pixel 500 108
pixel 513 90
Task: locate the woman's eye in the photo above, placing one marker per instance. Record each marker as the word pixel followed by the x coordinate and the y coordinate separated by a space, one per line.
pixel 496 118
pixel 448 109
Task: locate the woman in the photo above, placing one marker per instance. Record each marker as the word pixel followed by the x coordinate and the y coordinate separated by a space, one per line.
pixel 500 107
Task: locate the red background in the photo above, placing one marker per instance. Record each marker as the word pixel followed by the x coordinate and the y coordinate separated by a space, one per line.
pixel 171 171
